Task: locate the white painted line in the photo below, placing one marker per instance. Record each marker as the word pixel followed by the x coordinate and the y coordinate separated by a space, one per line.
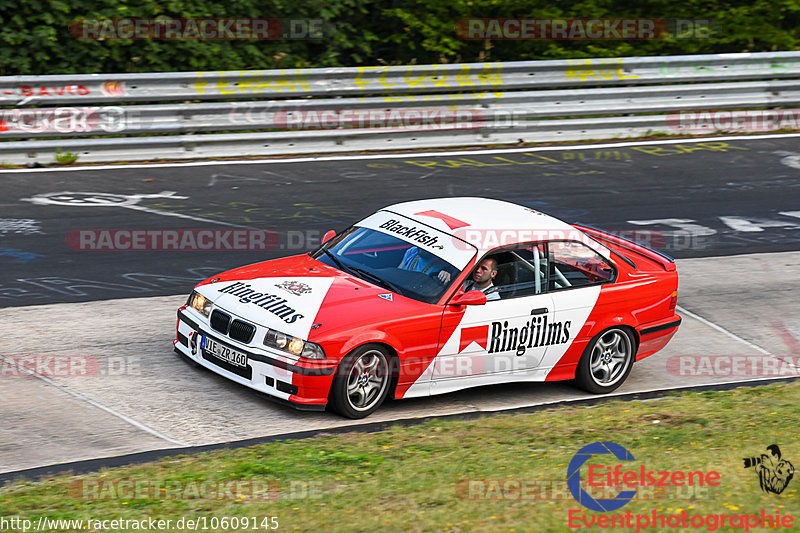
pixel 722 330
pixel 358 157
pixel 181 215
pixel 107 409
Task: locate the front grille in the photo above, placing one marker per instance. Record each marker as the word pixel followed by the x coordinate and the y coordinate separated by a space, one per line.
pixel 242 331
pixel 220 321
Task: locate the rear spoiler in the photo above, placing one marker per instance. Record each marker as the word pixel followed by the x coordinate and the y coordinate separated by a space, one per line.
pixel 667 262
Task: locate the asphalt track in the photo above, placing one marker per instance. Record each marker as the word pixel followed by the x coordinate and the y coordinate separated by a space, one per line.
pixel 698 199
pixel 139 396
pixel 713 199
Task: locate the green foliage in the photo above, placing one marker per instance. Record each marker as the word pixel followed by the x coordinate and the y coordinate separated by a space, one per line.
pixel 35 37
pixel 737 26
pixel 67 158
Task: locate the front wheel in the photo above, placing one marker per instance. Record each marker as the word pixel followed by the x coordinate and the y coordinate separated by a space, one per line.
pixel 606 362
pixel 361 382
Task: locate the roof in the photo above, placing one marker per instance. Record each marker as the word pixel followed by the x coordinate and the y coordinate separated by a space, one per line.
pixel 471 218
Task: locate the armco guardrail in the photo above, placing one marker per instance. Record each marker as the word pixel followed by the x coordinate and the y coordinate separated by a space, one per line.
pixel 374 108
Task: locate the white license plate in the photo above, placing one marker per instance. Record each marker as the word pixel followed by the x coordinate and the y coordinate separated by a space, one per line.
pixel 220 351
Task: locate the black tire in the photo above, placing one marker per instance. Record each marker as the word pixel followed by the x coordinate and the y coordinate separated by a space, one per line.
pixel 361 382
pixel 607 361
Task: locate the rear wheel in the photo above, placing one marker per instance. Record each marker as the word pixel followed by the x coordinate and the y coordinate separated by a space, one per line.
pixel 606 362
pixel 361 382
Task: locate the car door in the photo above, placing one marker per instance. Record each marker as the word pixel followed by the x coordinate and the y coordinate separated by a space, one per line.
pixel 503 338
pixel 576 274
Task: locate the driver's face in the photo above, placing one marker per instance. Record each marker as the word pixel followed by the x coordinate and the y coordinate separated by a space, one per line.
pixel 484 271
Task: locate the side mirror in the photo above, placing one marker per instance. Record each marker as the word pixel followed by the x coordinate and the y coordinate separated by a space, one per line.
pixel 473 297
pixel 330 234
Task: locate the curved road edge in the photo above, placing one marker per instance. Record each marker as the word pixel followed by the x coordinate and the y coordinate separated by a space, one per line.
pixel 93 465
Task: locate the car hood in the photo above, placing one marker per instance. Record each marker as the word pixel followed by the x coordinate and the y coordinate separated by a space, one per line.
pixel 294 294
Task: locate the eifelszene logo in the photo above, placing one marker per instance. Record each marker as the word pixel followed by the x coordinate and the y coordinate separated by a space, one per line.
pixel 774 472
pixel 574 476
pixel 607 477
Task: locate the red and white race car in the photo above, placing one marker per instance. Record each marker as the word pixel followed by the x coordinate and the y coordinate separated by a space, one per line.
pixel 397 305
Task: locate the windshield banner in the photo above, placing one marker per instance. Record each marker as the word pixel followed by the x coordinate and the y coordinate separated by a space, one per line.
pixel 453 250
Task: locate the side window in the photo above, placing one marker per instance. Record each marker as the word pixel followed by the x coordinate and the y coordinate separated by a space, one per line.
pixel 521 271
pixel 573 264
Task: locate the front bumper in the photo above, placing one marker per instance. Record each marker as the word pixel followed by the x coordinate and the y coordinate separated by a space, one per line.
pixel 301 384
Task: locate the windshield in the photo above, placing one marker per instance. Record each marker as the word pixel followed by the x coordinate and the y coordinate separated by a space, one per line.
pixel 390 262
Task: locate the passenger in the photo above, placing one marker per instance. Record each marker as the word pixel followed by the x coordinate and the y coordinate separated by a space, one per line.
pixel 416 260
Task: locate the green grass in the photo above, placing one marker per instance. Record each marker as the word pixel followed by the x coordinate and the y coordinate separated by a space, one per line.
pixel 65 158
pixel 414 478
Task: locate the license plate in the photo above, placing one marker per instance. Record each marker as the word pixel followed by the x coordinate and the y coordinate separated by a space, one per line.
pixel 220 351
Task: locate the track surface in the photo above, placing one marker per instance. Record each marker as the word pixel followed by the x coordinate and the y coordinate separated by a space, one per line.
pixel 143 397
pixel 713 198
pixel 717 198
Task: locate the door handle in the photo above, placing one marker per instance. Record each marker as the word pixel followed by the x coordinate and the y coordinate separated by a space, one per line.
pixel 539 311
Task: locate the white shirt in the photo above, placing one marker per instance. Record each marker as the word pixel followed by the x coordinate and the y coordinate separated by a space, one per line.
pixel 490 290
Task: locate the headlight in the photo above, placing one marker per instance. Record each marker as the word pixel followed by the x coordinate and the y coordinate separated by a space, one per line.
pixel 313 351
pixel 293 345
pixel 280 340
pixel 296 346
pixel 199 303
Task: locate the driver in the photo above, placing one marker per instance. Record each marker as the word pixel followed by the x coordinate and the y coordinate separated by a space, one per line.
pixel 417 260
pixel 482 277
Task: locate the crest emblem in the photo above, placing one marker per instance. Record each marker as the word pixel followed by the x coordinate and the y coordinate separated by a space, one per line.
pixel 294 287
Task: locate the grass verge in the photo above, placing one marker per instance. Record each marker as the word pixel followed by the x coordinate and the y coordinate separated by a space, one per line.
pixel 499 473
